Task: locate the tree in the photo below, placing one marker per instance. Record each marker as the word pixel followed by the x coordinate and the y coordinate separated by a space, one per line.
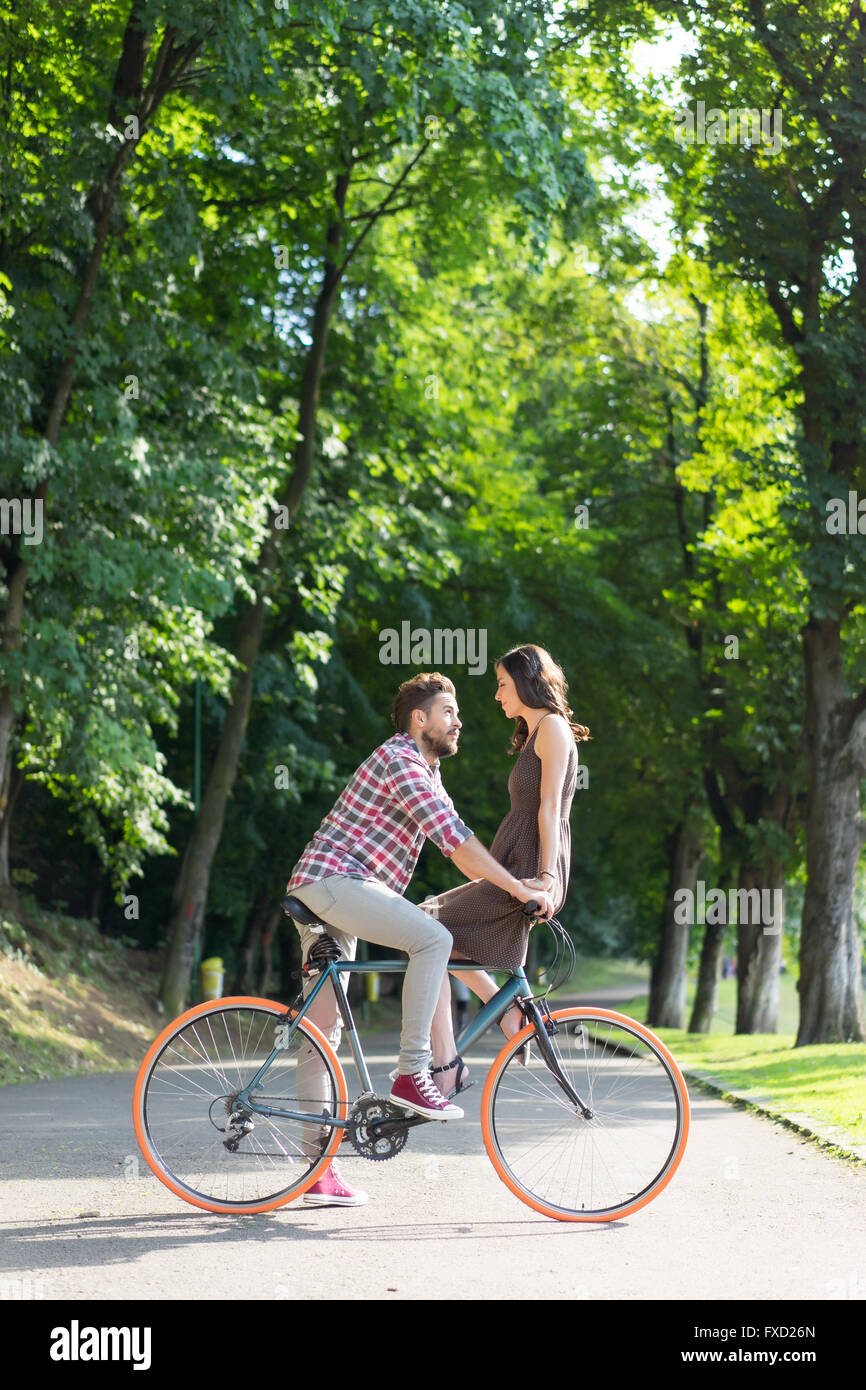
pixel 783 218
pixel 131 460
pixel 500 136
pixel 784 212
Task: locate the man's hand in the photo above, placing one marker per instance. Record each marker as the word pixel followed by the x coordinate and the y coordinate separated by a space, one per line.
pixel 530 891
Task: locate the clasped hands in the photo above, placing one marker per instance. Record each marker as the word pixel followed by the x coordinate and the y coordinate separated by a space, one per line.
pixel 541 895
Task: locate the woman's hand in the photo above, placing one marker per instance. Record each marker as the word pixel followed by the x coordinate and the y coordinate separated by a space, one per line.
pixel 529 893
pixel 538 885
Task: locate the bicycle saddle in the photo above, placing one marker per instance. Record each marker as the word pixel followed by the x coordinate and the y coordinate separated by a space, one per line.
pixel 293 907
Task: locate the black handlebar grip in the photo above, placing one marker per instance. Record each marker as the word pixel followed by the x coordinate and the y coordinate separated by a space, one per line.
pixel 530 908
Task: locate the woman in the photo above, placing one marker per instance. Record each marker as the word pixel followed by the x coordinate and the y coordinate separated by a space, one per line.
pixel 533 842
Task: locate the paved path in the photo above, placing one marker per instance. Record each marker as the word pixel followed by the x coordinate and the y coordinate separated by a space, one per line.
pixel 753 1212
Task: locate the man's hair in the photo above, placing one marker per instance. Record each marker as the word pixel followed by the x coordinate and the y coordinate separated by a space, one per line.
pixel 418 693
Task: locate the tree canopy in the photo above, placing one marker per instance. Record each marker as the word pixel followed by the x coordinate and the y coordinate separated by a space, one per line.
pixel 541 323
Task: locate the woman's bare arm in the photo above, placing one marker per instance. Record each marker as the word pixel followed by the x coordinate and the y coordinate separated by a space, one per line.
pixel 552 743
pixel 474 861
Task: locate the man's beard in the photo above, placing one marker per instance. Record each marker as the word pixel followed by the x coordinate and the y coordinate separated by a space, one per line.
pixel 441 747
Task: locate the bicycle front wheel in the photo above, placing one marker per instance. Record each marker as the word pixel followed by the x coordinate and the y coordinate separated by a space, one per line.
pixel 194 1129
pixel 575 1168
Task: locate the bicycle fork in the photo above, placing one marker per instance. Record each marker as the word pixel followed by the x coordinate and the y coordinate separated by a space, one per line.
pixel 545 1027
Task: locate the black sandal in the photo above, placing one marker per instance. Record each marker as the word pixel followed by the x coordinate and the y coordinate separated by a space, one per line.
pixel 461 1085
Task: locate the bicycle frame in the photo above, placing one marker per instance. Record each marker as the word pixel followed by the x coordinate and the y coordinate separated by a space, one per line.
pixel 515 988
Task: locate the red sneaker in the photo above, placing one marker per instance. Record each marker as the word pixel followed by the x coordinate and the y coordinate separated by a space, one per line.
pixel 421 1094
pixel 332 1191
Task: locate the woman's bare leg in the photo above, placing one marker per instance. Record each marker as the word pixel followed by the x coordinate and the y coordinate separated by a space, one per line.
pixel 442 1040
pixel 485 987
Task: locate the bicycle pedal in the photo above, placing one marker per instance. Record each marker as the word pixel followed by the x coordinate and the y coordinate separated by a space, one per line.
pixel 464 1087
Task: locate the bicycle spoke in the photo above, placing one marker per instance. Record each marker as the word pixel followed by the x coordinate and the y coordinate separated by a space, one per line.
pixel 188 1137
pixel 604 1163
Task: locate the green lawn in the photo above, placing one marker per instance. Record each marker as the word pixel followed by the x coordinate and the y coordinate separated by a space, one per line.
pixel 596 972
pixel 825 1083
pixel 593 974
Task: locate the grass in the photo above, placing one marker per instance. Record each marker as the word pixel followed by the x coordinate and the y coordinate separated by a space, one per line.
pixel 594 974
pixel 71 1000
pixel 597 972
pixel 824 1083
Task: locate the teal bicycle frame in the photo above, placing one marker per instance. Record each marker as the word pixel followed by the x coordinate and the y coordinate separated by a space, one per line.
pixel 516 988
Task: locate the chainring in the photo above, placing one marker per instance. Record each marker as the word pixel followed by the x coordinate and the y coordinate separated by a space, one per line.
pixel 363 1136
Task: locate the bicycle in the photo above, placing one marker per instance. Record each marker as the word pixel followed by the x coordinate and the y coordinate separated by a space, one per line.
pixel 588 1123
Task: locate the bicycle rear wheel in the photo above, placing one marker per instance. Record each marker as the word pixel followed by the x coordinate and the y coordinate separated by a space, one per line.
pixel 596 1169
pixel 185 1107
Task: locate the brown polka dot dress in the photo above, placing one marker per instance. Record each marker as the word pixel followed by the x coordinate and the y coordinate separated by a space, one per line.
pixel 487 924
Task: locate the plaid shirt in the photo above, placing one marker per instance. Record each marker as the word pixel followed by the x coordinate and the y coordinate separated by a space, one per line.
pixel 377 827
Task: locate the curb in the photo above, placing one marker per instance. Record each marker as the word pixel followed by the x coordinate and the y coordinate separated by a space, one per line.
pixel 836 1141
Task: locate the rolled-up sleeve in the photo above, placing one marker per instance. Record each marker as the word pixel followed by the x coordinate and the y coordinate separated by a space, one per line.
pixel 431 810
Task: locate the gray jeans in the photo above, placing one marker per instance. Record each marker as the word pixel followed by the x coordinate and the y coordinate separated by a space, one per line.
pixel 366 908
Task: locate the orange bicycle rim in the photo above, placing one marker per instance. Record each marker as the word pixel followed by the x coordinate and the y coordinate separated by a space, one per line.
pixel 490 1146
pixel 342 1108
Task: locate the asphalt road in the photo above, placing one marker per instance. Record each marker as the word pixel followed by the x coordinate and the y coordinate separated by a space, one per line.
pixel 753 1212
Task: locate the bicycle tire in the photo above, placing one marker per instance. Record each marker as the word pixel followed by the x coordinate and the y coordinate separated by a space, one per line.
pixel 571 1168
pixel 179 1103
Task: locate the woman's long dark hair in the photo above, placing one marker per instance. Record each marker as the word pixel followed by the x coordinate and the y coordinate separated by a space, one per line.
pixel 540 684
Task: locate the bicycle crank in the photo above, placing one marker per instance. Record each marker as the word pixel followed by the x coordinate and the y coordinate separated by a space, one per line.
pixel 366 1132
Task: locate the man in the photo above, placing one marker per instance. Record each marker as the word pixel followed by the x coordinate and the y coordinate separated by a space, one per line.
pixel 354 871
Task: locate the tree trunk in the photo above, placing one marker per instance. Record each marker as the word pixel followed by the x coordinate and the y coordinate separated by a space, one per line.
pixel 667 1006
pixel 8 895
pixel 96 897
pixel 249 948
pixel 852 1010
pixel 706 995
pixel 759 948
pixel 16 579
pixel 190 891
pixel 830 984
pixel 271 926
pixel 128 97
